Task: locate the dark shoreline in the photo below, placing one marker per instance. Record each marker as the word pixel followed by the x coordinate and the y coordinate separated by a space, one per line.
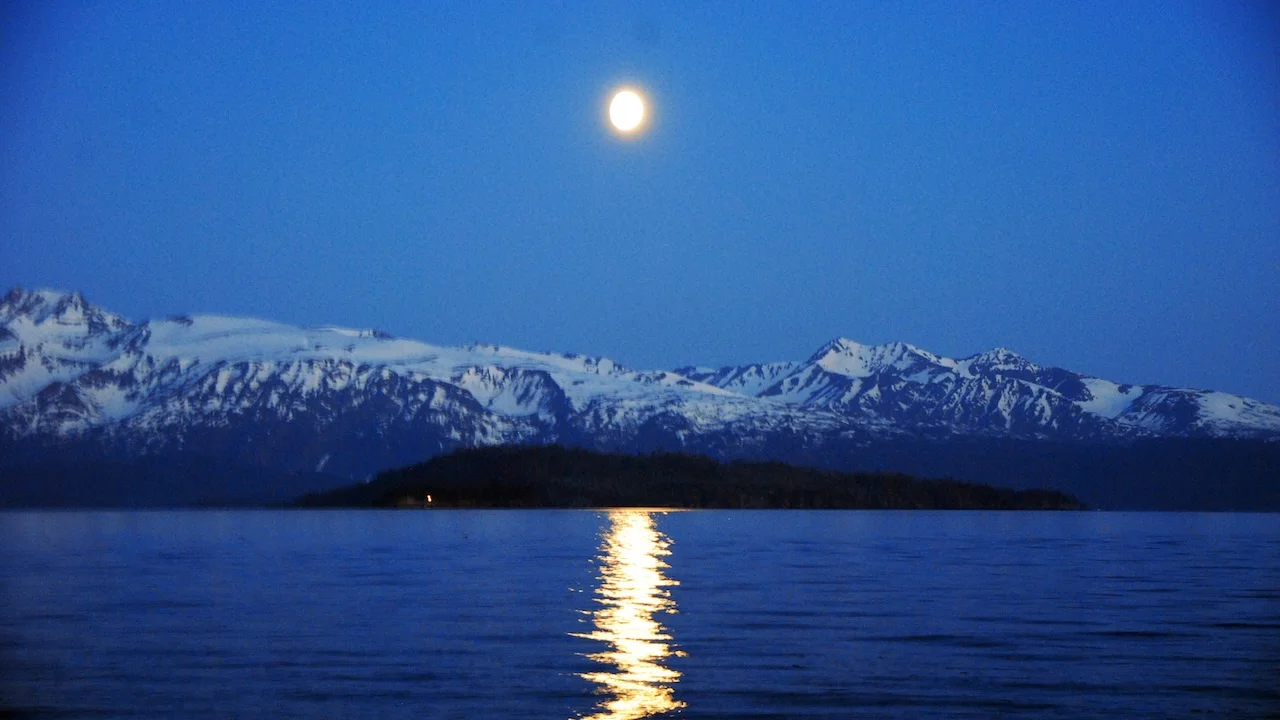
pixel 558 477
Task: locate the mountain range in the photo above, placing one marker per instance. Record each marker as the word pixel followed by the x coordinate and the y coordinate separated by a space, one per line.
pixel 98 409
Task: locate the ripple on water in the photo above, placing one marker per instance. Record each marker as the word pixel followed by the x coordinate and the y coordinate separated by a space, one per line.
pixel 638 614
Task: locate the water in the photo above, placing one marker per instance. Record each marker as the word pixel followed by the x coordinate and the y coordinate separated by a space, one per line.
pixel 575 614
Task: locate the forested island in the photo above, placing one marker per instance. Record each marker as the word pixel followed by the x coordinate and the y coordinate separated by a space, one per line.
pixel 560 477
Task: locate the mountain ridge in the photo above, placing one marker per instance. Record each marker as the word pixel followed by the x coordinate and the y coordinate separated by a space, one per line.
pixel 78 379
pixel 104 360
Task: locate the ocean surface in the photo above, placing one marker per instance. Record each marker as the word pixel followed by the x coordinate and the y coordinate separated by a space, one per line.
pixel 633 614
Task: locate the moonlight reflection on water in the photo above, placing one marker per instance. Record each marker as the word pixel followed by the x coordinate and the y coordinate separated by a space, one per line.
pixel 632 590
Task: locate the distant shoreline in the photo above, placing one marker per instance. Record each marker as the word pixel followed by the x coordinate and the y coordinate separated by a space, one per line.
pixel 569 478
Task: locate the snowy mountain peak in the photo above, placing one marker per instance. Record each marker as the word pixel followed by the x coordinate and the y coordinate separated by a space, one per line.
pixel 1001 359
pixel 49 308
pixel 36 304
pixel 843 356
pixel 837 346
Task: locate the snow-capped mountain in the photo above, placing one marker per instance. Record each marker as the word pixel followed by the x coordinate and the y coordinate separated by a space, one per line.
pixel 299 397
pixel 995 392
pixel 350 402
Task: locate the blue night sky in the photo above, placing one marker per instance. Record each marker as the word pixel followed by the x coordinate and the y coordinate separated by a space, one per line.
pixel 1095 185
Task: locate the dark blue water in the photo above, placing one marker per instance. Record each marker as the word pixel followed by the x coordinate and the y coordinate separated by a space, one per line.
pixel 567 614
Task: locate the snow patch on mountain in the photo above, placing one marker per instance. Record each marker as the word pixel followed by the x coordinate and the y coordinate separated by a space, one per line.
pixel 1107 399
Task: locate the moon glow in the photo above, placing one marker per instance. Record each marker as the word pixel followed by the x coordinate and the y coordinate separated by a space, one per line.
pixel 627 111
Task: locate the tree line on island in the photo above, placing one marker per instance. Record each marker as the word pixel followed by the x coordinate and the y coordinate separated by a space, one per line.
pixel 559 477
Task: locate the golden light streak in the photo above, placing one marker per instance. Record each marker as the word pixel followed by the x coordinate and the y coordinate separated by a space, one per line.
pixel 632 590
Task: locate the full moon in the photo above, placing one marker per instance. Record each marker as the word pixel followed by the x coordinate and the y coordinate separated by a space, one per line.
pixel 626 111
